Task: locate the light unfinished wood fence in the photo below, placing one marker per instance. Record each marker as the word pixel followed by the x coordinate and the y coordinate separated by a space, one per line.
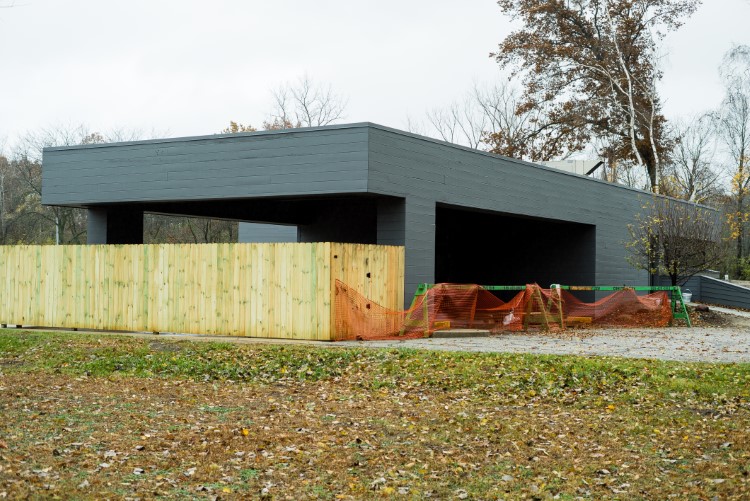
pixel 279 290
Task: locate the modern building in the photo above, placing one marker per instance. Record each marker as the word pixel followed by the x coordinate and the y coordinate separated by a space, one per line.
pixel 582 167
pixel 463 215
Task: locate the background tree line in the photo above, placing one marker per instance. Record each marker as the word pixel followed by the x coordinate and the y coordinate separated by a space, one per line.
pixel 24 220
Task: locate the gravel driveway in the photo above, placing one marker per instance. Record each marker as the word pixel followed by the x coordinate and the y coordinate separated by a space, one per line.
pixel 699 344
pixel 728 343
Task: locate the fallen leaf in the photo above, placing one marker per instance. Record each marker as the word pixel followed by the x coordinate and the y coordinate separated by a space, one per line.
pixel 377 484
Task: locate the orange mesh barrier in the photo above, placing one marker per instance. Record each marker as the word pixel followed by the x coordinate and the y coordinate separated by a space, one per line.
pixel 623 308
pixel 458 306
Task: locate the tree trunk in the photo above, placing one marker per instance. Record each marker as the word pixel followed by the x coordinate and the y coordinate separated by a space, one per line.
pixel 740 220
pixel 652 177
pixel 653 262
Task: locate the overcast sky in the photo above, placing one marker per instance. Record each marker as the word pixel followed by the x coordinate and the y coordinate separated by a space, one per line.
pixel 184 67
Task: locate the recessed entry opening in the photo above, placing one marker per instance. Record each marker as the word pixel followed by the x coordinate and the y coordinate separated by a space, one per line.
pixel 492 248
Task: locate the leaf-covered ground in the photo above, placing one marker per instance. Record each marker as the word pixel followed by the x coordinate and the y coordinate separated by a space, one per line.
pixel 89 416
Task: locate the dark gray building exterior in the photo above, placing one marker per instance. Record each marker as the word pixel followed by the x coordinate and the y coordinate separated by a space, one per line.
pixel 266 233
pixel 463 215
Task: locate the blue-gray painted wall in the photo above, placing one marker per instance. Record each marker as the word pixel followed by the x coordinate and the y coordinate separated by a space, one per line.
pixel 263 233
pixel 403 180
pixel 715 291
pixel 692 284
pixel 322 161
pixel 711 290
pixel 425 172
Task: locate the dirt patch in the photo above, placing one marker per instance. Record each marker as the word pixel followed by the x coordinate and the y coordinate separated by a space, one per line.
pixel 164 347
pixel 10 362
pixel 713 318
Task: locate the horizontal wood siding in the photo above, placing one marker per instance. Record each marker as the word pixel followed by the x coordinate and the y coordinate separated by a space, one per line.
pixel 715 291
pixel 257 290
pixel 427 172
pixel 692 285
pixel 236 166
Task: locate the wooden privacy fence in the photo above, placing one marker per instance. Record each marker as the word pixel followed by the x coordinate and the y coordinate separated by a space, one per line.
pixel 282 290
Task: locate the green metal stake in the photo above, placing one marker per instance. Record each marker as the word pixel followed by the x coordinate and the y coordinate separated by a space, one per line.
pixel 421 291
pixel 679 310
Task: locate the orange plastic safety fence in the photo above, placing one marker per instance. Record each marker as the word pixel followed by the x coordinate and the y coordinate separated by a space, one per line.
pixel 459 306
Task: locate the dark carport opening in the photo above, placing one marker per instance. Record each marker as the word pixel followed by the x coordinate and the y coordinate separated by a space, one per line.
pixel 492 248
pixel 340 218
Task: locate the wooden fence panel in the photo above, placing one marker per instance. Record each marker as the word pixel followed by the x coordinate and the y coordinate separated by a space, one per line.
pixel 371 270
pixel 278 290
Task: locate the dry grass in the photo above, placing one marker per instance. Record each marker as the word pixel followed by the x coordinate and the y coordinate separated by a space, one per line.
pixel 124 418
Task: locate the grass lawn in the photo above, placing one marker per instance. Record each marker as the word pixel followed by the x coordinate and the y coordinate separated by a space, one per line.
pixel 93 416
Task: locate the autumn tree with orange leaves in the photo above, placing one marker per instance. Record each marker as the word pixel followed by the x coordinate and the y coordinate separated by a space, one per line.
pixel 591 67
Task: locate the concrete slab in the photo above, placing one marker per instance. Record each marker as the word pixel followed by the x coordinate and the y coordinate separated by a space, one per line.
pixel 460 333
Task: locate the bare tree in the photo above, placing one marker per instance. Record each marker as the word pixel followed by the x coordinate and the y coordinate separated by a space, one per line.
pixel 212 230
pixel 462 122
pixel 43 224
pixel 68 224
pixel 23 219
pixel 675 238
pixel 489 117
pixel 19 221
pixel 5 204
pixel 163 228
pixel 690 174
pixel 734 130
pixel 305 103
pixel 520 130
pixel 415 125
pixel 123 134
